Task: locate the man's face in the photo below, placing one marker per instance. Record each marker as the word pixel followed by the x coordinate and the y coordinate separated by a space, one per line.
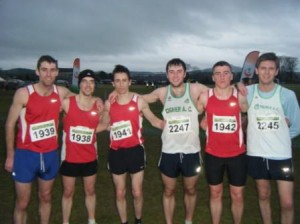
pixel 87 86
pixel 47 73
pixel 222 76
pixel 121 82
pixel 266 72
pixel 176 75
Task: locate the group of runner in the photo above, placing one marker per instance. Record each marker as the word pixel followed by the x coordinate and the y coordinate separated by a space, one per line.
pixel 273 120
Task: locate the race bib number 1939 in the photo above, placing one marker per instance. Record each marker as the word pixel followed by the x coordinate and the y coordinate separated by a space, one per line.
pixel 42 130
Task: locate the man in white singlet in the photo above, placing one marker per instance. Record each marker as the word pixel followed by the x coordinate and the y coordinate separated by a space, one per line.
pixel 180 137
pixel 273 120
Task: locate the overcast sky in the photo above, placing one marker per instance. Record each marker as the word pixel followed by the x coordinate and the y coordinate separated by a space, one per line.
pixel 144 34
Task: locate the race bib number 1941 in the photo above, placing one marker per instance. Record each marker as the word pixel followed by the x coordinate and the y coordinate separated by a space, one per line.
pixel 121 130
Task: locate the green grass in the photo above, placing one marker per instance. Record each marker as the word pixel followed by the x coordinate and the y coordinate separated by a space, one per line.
pixel 106 211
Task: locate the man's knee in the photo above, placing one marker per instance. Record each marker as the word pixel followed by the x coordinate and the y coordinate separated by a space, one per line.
pixel 22 204
pixel 68 193
pixel 120 194
pixel 45 196
pixel 169 192
pixel 90 191
pixel 137 193
pixel 190 190
pixel 287 205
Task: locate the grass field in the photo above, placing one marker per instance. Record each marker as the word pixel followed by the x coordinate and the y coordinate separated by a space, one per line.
pixel 106 212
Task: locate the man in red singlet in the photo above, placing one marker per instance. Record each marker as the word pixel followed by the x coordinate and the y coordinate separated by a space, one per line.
pixel 225 149
pixel 127 154
pixel 79 149
pixel 36 109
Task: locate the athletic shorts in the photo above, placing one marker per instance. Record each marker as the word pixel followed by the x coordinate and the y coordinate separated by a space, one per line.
pixel 172 165
pixel 270 169
pixel 236 168
pixel 131 160
pixel 78 169
pixel 28 165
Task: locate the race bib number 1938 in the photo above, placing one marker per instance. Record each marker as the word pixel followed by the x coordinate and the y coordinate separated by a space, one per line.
pixel 81 135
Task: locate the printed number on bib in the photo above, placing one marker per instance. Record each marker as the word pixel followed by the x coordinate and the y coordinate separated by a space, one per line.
pixel 81 135
pixel 42 130
pixel 121 130
pixel 224 124
pixel 267 123
pixel 179 125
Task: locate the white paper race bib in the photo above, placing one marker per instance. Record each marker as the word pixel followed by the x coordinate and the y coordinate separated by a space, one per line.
pixel 121 130
pixel 179 125
pixel 224 124
pixel 81 135
pixel 268 123
pixel 42 130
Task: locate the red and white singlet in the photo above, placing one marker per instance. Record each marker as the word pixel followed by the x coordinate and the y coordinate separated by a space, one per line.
pixel 38 122
pixel 79 136
pixel 126 125
pixel 224 131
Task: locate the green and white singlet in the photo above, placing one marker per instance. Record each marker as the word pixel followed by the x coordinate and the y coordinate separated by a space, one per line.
pixel 267 132
pixel 181 132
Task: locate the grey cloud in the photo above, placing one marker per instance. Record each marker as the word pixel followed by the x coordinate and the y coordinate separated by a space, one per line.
pixel 145 34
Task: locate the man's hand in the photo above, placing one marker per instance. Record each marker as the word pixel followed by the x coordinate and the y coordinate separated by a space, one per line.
pixel 242 88
pixel 9 164
pixel 112 96
pixel 203 123
pixel 99 105
pixel 288 122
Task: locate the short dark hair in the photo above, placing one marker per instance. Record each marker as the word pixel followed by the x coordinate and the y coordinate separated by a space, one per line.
pixel 221 63
pixel 176 61
pixel 121 69
pixel 48 59
pixel 269 56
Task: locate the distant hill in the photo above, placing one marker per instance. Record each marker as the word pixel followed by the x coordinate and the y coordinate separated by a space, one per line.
pixel 17 71
pixel 235 69
pixel 201 75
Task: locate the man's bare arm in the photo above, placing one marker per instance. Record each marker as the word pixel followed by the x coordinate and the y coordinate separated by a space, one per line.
pixel 155 95
pixel 105 119
pixel 243 103
pixel 19 101
pixel 145 109
pixel 197 89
